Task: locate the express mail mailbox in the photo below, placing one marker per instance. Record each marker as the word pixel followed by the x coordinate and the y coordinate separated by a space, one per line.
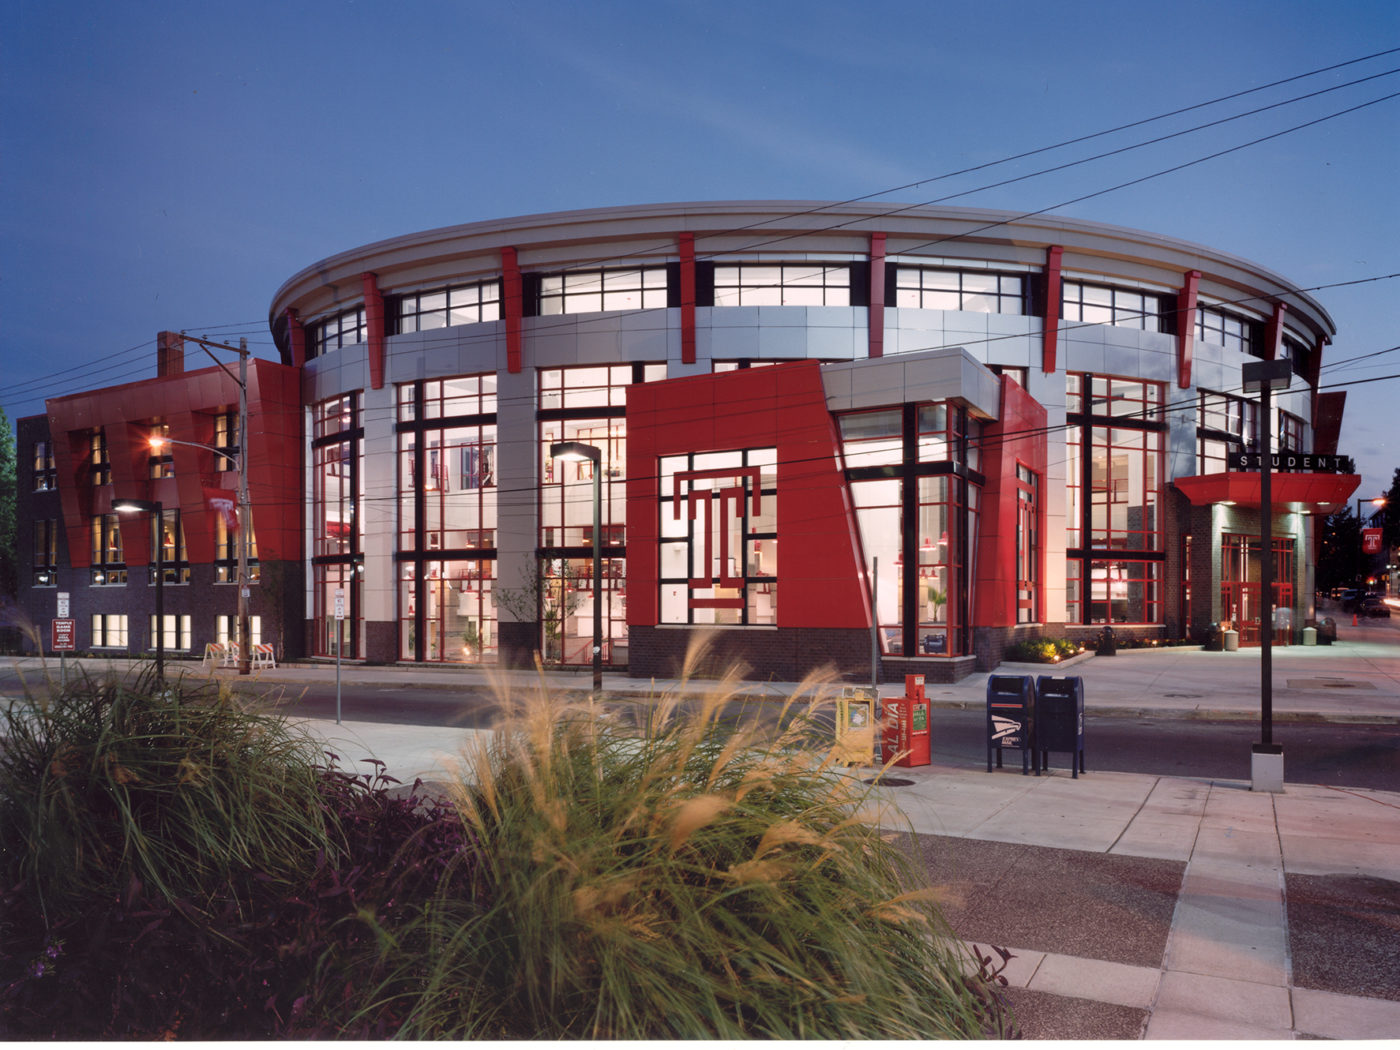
pixel 1010 718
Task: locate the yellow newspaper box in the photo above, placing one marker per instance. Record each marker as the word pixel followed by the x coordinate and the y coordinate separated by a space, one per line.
pixel 855 726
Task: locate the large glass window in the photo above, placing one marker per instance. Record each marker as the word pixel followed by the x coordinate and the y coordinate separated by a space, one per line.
pixel 976 291
pixel 170 535
pixel 783 284
pixel 449 606
pixel 591 291
pixel 1027 545
pixel 719 538
pixel 227 440
pixel 226 629
pixel 447 519
pixel 586 404
pixel 99 463
pixel 226 542
pixel 914 486
pixel 1114 448
pixel 1103 304
pixel 45 470
pixel 108 560
pixel 45 552
pixel 335 528
pixel 1224 424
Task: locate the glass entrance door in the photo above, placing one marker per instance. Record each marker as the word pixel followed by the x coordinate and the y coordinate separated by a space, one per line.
pixel 1241 594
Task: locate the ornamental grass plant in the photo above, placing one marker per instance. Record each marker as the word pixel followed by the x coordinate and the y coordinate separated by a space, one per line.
pixel 663 872
pixel 180 790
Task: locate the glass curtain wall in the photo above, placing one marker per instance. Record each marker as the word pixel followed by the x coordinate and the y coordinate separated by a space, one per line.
pixel 336 554
pixel 1116 553
pixel 914 479
pixel 586 404
pixel 447 519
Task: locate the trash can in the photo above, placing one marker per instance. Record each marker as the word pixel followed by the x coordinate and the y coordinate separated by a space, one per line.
pixel 1059 720
pixel 1326 631
pixel 1106 644
pixel 1309 635
pixel 905 740
pixel 1230 640
pixel 1010 718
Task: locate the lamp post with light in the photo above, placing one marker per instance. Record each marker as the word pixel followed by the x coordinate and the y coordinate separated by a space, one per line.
pixel 1266 758
pixel 158 441
pixel 578 452
pixel 157 512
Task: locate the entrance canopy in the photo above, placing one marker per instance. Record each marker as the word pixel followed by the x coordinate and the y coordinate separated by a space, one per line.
pixel 1316 493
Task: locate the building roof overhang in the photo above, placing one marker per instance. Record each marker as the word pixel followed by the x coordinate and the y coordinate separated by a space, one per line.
pixel 1315 493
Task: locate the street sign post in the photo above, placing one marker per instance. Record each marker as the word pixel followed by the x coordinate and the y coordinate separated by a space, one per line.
pixel 339 623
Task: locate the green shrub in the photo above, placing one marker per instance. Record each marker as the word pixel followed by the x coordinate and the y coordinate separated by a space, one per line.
pixel 685 879
pixel 1042 650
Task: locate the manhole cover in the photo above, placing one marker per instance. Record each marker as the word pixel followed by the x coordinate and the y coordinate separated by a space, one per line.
pixel 1186 696
pixel 890 782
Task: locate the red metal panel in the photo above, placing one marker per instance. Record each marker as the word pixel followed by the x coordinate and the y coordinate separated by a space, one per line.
pixel 1186 326
pixel 374 328
pixel 687 250
pixel 783 406
pixel 1054 300
pixel 876 313
pixel 514 304
pixel 1018 436
pixel 1323 493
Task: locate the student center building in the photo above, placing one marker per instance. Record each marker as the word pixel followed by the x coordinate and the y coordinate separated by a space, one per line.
pixel 822 429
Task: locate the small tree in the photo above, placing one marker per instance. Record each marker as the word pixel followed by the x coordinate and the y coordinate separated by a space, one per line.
pixel 547 598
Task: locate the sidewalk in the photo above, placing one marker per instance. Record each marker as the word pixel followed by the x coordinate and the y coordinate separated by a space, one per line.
pixel 1136 906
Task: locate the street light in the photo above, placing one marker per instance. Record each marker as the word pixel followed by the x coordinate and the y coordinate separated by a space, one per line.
pixel 1376 501
pixel 577 451
pixel 154 508
pixel 1263 378
pixel 157 442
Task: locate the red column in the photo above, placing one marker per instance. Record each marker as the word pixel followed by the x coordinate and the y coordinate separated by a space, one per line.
pixel 687 250
pixel 374 328
pixel 876 313
pixel 1186 326
pixel 514 307
pixel 1054 300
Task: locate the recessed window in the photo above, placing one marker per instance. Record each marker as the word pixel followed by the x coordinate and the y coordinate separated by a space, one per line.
pixel 1120 307
pixel 783 284
pixel 976 291
pixel 46 552
pixel 343 329
pixel 1225 329
pixel 592 291
pixel 448 307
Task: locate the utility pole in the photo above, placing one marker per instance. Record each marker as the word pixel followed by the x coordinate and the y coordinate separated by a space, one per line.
pixel 244 653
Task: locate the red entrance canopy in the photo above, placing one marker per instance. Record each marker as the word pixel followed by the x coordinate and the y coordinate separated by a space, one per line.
pixel 1319 493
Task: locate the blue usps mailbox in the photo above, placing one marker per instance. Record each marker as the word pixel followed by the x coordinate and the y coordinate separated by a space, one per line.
pixel 1059 720
pixel 1010 718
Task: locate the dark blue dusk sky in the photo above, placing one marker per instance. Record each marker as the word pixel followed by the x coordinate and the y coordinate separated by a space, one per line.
pixel 168 165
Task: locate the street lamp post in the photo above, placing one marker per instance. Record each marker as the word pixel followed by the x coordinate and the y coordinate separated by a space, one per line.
pixel 242 633
pixel 157 511
pixel 1263 378
pixel 577 451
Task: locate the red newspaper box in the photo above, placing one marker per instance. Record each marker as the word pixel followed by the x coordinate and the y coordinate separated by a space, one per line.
pixel 906 732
